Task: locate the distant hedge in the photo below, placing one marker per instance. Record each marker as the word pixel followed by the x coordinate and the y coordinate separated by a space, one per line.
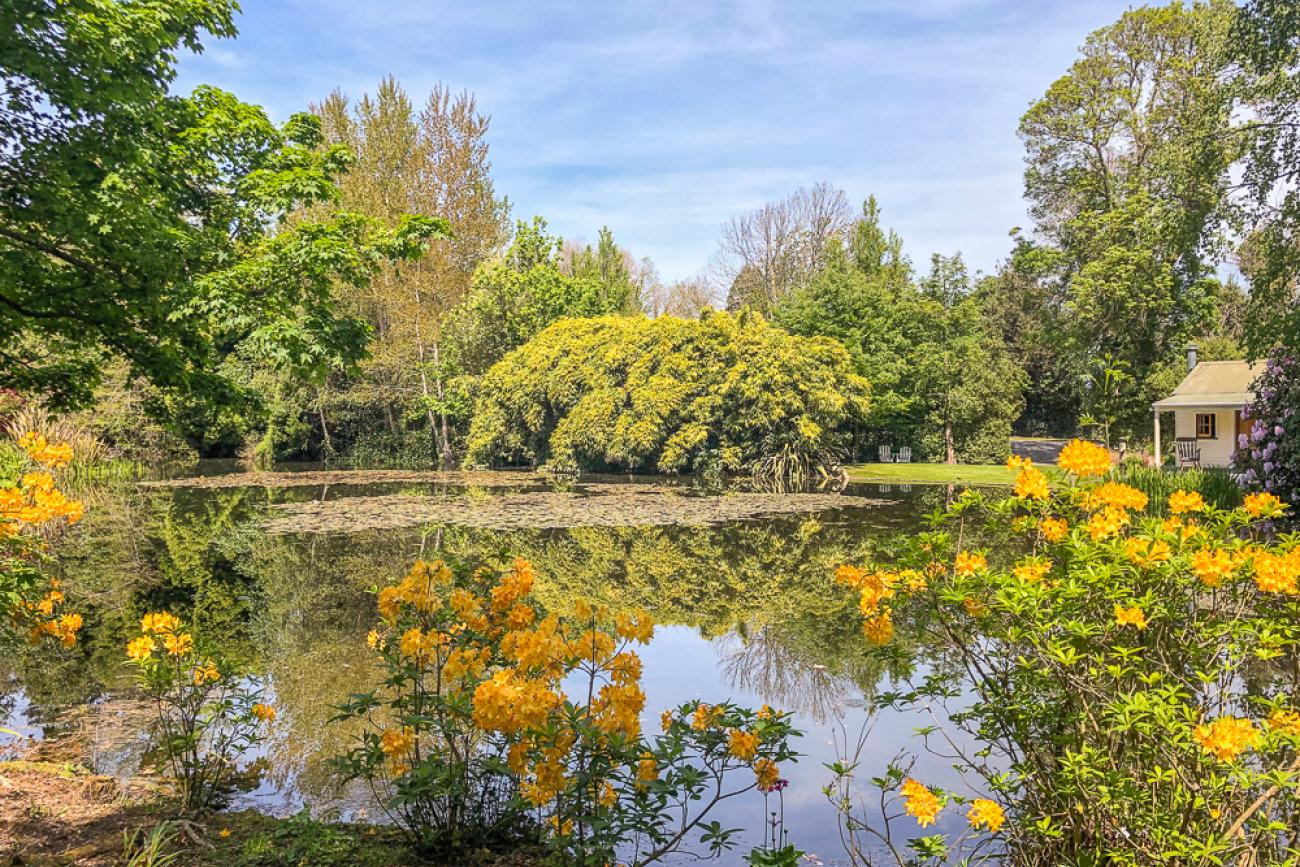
pixel 670 395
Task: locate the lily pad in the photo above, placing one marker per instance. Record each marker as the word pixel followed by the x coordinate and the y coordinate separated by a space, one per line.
pixel 643 507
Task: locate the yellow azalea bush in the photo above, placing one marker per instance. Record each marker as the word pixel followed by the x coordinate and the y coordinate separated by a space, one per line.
pixel 207 713
pixel 1123 687
pixel 498 721
pixel 32 511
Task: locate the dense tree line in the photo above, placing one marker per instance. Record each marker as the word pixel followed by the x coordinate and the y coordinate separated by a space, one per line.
pixel 343 285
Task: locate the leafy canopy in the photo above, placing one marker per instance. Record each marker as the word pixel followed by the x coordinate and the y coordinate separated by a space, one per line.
pixel 148 226
pixel 667 394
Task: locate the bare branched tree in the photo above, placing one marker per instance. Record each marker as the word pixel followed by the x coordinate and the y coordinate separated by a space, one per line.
pixel 769 252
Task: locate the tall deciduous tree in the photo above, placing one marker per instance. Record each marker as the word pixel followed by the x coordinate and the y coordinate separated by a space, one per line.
pixel 1128 158
pixel 435 161
pixel 781 246
pixel 134 222
pixel 1266 42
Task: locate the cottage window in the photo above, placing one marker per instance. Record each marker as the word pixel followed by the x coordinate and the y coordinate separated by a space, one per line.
pixel 1207 426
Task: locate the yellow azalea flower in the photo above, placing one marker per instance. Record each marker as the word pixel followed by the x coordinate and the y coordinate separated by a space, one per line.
pixel 263 712
pixel 706 715
pixel 1053 529
pixel 1110 521
pixel 1212 566
pixel 1114 495
pixel 767 774
pixel 1275 573
pixel 636 626
pixel 1015 462
pixel 1181 502
pixel 1133 616
pixel 647 769
pixel 987 814
pixel 742 744
pixel 1263 505
pixel 206 673
pixel 159 622
pixel 141 648
pixel 225 832
pixel 1285 721
pixel 397 742
pixel 969 562
pixel 1084 459
pixel 666 720
pixel 872 591
pixel 1032 570
pixel 879 628
pixel 1147 552
pixel 178 645
pixel 1031 484
pixel 1227 737
pixel 920 803
pixel 974 607
pixel 54 455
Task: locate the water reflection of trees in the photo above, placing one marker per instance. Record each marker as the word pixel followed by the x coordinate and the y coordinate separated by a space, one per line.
pixel 298 608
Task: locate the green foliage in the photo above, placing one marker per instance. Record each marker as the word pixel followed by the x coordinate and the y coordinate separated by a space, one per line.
pixel 134 223
pixel 1266 41
pixel 666 394
pixel 514 297
pixel 939 374
pixel 1128 158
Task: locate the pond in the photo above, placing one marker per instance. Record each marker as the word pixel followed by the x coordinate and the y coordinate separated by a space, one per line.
pixel 283 567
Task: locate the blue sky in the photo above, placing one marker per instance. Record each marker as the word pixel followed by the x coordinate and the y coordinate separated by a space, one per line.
pixel 663 119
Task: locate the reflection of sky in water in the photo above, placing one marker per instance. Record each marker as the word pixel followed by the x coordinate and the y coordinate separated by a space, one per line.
pixel 679 665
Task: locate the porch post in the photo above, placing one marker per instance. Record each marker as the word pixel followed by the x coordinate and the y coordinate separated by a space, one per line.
pixel 1155 414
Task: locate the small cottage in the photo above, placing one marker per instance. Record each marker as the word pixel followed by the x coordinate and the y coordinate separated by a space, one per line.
pixel 1209 411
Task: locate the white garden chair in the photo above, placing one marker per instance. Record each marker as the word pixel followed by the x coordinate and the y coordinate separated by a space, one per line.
pixel 904 455
pixel 885 456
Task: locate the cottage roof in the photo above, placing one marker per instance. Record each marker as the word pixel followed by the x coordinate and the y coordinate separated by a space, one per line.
pixel 1214 384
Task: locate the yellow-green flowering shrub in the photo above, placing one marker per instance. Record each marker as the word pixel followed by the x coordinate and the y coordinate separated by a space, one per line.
pixel 1121 688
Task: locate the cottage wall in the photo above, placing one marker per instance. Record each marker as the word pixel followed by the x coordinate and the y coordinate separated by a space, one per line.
pixel 1215 452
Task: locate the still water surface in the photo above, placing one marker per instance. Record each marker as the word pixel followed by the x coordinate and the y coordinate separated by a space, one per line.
pixel 747 605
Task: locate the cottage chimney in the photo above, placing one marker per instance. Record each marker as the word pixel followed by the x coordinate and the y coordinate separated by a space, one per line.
pixel 1191 356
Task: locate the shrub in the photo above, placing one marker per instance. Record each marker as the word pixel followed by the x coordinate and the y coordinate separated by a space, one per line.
pixel 471 741
pixel 1132 678
pixel 667 394
pixel 32 511
pixel 1215 484
pixel 1268 458
pixel 207 715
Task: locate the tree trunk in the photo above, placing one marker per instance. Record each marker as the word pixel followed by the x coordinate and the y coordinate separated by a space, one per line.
pixel 328 446
pixel 949 447
pixel 445 457
pixel 424 377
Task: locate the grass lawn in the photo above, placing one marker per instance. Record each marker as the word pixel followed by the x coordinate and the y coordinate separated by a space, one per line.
pixel 955 474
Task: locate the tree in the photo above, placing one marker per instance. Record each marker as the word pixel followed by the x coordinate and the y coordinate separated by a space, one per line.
pixel 435 162
pixel 623 280
pixel 1025 305
pixel 1128 159
pixel 1266 43
pixel 669 395
pixel 518 294
pixel 779 247
pixel 685 299
pixel 968 388
pixel 134 223
pixel 940 378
